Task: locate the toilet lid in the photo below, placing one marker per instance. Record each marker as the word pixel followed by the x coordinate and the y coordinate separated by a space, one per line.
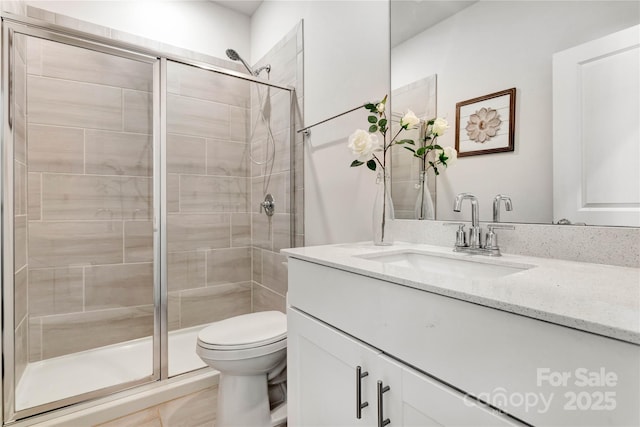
pixel 245 331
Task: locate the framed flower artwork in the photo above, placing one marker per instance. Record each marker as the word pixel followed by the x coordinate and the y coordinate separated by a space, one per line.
pixel 486 124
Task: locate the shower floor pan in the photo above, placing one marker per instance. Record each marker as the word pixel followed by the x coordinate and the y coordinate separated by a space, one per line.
pixel 70 375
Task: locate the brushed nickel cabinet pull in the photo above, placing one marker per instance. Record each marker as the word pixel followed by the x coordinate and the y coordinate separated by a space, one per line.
pixel 359 403
pixel 381 419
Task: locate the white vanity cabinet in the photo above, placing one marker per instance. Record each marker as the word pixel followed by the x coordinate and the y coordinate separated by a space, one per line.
pixel 324 378
pixel 440 355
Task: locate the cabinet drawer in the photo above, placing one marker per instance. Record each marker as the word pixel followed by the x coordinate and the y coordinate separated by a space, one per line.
pixel 529 368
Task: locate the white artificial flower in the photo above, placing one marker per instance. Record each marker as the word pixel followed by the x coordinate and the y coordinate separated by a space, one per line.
pixel 380 107
pixel 452 155
pixel 363 144
pixel 440 125
pixel 409 120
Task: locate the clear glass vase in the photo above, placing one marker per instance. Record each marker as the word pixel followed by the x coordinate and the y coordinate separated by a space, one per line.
pixel 424 208
pixel 383 214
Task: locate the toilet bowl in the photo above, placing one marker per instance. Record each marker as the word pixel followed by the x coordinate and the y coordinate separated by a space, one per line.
pixel 247 350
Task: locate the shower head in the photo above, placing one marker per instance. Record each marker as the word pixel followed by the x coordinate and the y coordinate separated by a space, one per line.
pixel 233 55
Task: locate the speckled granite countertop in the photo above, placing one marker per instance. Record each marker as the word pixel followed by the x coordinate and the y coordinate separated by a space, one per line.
pixel 596 298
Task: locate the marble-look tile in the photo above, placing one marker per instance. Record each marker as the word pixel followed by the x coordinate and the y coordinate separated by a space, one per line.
pixel 194 117
pixel 256 265
pixel 67 62
pixel 146 418
pixel 274 272
pixel 19 188
pixel 70 333
pixel 299 211
pixel 119 285
pixel 213 194
pixel 206 305
pixel 173 192
pixel 194 82
pixel 138 241
pixel 20 308
pixel 186 270
pixel 84 26
pixel 240 229
pixel 95 197
pixel 261 231
pixel 20 134
pixel 276 186
pixel 37 13
pixel 34 196
pixel 238 124
pixel 173 311
pixel 53 244
pixel 281 224
pixel 118 153
pixel 55 291
pixel 21 349
pixel 138 112
pixel 19 242
pixel 65 103
pixel 189 232
pixel 279 111
pixel 34 56
pixel 35 339
pixel 15 7
pixel 186 154
pixel 226 158
pixel 56 149
pixel 228 266
pixel 194 410
pixel 265 299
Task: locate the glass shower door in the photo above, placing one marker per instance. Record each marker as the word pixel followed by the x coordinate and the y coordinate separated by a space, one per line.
pixel 83 241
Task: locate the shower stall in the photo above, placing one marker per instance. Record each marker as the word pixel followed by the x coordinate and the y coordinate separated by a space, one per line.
pixel 132 184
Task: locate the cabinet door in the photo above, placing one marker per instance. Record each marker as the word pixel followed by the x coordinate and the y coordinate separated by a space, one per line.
pixel 421 401
pixel 321 365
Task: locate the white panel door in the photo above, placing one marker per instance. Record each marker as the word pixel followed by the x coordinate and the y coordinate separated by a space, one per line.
pixel 596 131
pixel 322 368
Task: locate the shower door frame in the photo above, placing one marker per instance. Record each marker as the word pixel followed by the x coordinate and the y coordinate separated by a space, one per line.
pixel 13 24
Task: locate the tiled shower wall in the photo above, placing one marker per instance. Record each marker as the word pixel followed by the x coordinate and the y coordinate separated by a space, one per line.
pixel 208 194
pixel 270 234
pixel 90 186
pixel 94 288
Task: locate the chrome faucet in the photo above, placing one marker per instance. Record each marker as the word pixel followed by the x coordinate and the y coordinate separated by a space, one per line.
pixel 496 206
pixel 475 242
pixel 474 231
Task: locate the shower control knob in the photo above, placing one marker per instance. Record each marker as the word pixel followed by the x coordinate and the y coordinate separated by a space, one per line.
pixel 269 205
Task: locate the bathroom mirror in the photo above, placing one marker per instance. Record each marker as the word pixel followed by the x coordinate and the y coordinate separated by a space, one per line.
pixel 476 48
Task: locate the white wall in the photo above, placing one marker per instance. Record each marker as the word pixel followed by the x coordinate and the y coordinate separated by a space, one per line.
pixel 346 63
pixel 198 25
pixel 489 47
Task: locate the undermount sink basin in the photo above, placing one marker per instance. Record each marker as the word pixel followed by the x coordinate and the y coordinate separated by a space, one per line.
pixel 429 262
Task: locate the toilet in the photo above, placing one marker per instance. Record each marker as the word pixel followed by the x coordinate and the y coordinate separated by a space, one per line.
pixel 250 352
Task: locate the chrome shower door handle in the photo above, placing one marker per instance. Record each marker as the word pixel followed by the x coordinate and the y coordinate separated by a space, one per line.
pixel 382 421
pixel 359 403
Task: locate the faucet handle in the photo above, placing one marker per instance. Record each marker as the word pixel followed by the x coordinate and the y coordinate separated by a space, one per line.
pixel 500 226
pixel 491 240
pixel 461 237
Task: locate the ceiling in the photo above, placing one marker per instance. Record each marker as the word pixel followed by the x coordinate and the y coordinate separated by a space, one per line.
pixel 408 17
pixel 411 17
pixel 246 7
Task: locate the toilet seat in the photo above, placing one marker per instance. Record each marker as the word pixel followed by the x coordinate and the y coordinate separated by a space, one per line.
pixel 245 336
